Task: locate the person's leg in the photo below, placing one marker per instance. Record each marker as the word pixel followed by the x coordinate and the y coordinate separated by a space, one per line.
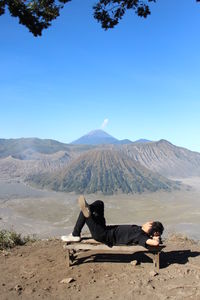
pixel 79 225
pixel 98 207
pixel 94 218
pixel 95 222
pixel 97 230
pixel 75 235
pixel 97 212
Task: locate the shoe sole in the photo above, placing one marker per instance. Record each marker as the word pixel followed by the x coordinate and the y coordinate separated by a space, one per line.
pixel 69 240
pixel 84 206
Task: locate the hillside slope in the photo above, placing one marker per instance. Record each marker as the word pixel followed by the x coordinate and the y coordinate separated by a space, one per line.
pixel 105 171
pixel 15 168
pixel 25 148
pixel 165 158
pixel 20 158
pixel 27 156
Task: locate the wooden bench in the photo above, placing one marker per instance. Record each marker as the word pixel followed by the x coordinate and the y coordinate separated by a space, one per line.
pixel 90 244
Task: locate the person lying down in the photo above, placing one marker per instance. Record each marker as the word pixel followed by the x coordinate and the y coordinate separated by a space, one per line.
pixel 149 234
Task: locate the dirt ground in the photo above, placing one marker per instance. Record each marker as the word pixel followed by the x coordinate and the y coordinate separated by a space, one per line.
pixel 35 271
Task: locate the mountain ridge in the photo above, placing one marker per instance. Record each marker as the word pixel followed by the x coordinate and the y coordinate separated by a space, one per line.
pixel 99 137
pixel 20 159
pixel 96 137
pixel 165 158
pixel 106 171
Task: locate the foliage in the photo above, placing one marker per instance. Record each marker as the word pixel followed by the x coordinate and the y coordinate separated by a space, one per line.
pixel 37 15
pixel 109 12
pixel 10 239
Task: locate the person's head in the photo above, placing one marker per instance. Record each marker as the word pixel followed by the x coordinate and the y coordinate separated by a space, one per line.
pixel 157 229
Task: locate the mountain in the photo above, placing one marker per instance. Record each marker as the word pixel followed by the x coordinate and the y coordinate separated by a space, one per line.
pixel 96 137
pixel 142 141
pixel 124 142
pixel 165 158
pixel 27 148
pixel 16 147
pixel 16 168
pixel 106 171
pixel 26 156
pixel 23 158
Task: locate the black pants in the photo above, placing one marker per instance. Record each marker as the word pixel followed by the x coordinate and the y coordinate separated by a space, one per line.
pixel 96 222
pixel 111 234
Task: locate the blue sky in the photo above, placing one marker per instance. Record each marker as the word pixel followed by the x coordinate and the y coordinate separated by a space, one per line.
pixel 143 76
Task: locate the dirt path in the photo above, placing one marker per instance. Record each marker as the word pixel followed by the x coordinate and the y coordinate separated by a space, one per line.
pixel 35 271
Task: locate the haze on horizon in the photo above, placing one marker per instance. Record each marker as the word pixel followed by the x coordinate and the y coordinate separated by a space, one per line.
pixel 139 80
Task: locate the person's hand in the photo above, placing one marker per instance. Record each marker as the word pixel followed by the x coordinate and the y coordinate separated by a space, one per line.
pixel 147 226
pixel 156 238
pixel 152 242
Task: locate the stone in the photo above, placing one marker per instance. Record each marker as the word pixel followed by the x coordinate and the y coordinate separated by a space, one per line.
pixel 92 281
pixel 133 262
pixel 47 288
pixel 18 288
pixel 67 280
pixel 92 270
pixel 5 253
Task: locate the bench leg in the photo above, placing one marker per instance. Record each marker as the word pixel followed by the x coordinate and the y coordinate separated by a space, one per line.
pixel 72 255
pixel 155 256
pixel 157 261
pixel 67 258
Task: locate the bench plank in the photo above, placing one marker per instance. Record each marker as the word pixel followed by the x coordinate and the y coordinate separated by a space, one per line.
pixel 91 244
pixel 99 246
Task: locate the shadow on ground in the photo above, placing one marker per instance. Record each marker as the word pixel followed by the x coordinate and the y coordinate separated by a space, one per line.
pixel 176 257
pixel 166 258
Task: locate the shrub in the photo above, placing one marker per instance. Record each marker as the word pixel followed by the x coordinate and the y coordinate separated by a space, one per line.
pixel 10 239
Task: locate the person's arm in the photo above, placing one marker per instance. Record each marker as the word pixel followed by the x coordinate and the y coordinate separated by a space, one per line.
pixel 154 241
pixel 145 239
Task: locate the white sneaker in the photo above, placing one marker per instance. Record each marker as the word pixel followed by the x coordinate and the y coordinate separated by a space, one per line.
pixel 84 206
pixel 70 238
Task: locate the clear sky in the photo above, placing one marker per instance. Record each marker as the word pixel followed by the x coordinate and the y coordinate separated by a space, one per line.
pixel 143 76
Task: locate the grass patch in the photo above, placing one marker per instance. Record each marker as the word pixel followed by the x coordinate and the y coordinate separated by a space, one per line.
pixel 10 239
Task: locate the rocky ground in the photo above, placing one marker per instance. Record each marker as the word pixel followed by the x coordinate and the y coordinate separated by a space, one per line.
pixel 38 271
